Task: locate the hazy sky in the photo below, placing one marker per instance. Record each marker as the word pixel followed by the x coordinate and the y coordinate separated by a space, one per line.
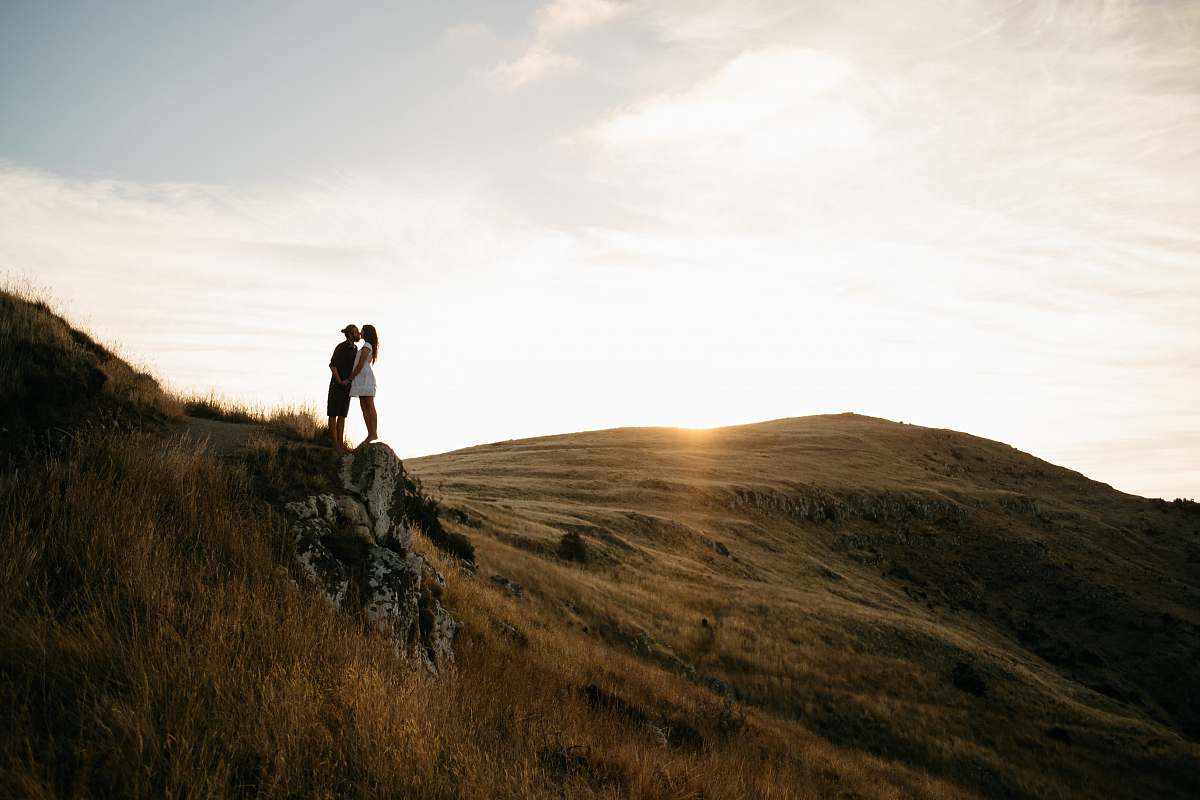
pixel 586 213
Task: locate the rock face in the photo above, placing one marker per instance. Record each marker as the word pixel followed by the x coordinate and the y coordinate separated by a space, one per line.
pixel 393 588
pixel 355 549
pixel 374 475
pixel 321 568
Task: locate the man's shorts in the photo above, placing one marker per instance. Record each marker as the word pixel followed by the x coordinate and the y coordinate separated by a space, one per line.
pixel 338 404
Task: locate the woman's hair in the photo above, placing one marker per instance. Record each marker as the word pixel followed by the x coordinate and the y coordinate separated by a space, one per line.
pixel 368 333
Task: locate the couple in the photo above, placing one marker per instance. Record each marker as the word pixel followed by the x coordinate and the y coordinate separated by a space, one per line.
pixel 353 377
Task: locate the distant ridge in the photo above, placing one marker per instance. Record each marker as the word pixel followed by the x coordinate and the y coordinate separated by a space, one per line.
pixel 986 595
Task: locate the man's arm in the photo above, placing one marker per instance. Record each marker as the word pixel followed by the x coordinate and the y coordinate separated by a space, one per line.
pixel 333 368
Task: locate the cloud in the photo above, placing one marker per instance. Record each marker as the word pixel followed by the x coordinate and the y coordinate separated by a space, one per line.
pixel 769 104
pixel 532 65
pixel 542 55
pixel 570 16
pixel 129 250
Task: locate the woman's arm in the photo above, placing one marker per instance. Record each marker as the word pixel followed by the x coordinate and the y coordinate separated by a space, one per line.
pixel 362 362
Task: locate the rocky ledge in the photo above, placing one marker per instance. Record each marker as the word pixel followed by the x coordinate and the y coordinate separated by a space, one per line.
pixel 355 548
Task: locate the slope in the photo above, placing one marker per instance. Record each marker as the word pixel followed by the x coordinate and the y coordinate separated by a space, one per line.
pixel 156 639
pixel 917 593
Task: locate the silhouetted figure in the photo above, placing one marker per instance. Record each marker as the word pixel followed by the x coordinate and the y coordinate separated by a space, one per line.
pixel 338 402
pixel 362 383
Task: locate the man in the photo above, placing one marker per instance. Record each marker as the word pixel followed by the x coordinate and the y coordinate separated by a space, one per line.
pixel 341 365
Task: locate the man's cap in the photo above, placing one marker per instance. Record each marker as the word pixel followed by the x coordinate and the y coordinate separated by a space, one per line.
pixel 349 328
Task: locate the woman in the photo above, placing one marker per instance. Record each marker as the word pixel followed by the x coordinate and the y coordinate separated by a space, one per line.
pixel 362 381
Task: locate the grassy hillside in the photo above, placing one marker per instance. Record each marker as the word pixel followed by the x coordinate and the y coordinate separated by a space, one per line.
pixel 153 643
pixel 831 607
pixel 57 378
pixel 919 594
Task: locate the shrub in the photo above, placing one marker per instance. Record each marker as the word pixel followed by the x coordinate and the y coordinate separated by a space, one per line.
pixel 423 510
pixel 964 676
pixel 572 547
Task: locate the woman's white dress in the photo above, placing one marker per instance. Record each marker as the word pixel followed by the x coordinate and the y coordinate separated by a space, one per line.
pixel 363 384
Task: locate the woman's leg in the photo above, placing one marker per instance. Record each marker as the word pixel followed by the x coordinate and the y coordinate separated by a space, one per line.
pixel 365 404
pixel 370 417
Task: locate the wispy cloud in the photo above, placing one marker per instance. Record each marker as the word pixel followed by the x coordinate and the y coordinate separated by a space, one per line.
pixel 535 63
pixel 570 16
pixel 775 104
pixel 541 55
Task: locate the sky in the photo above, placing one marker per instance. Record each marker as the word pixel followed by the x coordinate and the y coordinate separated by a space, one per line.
pixel 580 214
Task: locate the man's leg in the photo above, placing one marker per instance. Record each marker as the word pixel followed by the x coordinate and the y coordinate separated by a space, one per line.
pixel 334 434
pixel 341 442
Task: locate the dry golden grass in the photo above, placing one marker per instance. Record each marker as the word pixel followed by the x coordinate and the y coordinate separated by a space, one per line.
pixel 298 422
pixel 56 375
pixel 1078 621
pixel 152 646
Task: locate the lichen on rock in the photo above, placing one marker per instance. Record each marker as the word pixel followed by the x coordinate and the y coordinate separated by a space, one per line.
pixel 359 539
pixel 373 474
pixel 321 568
pixel 392 587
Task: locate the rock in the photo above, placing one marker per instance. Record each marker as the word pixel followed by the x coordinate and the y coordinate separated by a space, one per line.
pixel 375 475
pixel 398 536
pixel 393 586
pixel 342 521
pixel 320 567
pixel 439 637
pixel 358 539
pixel 508 585
pixel 315 507
pixel 353 523
pixel 432 575
pixel 717 685
pixel 352 512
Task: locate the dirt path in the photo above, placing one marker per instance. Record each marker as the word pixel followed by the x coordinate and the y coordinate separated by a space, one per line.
pixel 222 438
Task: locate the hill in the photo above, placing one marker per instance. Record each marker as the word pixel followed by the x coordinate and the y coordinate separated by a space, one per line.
pixel 918 593
pixel 58 378
pixel 824 607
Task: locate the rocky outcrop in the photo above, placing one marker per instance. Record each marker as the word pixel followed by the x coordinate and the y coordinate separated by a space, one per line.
pixel 354 547
pixel 374 474
pixel 321 568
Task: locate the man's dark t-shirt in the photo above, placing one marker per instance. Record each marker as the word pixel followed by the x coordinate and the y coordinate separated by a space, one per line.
pixel 338 403
pixel 343 358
